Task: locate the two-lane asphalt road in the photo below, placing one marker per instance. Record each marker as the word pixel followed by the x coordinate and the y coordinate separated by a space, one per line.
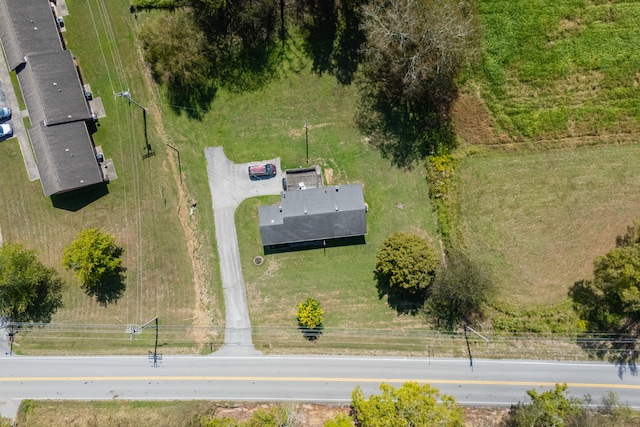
pixel 318 379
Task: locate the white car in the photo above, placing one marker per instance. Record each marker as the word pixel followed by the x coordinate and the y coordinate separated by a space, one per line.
pixel 6 130
pixel 5 113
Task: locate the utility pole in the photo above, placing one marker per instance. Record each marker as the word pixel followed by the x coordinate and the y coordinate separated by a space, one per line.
pixel 11 334
pixel 466 338
pixel 132 329
pixel 155 356
pixel 127 95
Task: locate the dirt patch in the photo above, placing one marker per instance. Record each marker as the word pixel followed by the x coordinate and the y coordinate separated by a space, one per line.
pixel 472 121
pixel 485 417
pixel 306 414
pixel 296 133
pixel 328 176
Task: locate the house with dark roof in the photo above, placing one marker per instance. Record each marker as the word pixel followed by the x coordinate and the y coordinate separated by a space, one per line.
pixel 53 94
pixel 314 215
pixel 27 27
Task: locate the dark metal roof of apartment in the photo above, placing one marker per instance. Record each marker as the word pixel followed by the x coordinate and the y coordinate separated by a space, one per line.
pixel 60 93
pixel 314 214
pixel 53 93
pixel 27 27
pixel 66 158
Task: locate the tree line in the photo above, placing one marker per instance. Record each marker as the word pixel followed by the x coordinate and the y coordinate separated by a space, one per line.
pixel 422 405
pixel 405 56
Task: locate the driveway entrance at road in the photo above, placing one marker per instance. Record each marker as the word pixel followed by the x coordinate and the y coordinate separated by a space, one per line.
pixel 230 185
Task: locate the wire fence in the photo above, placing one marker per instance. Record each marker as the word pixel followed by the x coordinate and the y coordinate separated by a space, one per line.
pixel 102 338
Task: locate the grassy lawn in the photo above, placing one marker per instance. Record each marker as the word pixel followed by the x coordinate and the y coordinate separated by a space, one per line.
pixel 564 69
pixel 147 210
pixel 142 209
pixel 269 123
pixel 539 220
pixel 551 71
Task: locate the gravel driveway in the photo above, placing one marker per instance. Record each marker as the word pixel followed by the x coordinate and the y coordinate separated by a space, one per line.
pixel 230 185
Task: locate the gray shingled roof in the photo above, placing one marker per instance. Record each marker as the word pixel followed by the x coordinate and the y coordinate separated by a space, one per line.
pixel 59 89
pixel 27 27
pixel 65 160
pixel 314 214
pixel 54 96
pixel 8 38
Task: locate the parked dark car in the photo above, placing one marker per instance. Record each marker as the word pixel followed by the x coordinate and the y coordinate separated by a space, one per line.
pixel 262 171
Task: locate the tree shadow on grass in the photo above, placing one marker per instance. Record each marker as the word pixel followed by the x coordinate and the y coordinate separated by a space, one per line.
pixel 311 334
pixel 402 301
pixel 332 37
pixel 622 351
pixel 109 287
pixel 108 290
pixel 405 131
pixel 402 136
pixel 619 346
pixel 195 102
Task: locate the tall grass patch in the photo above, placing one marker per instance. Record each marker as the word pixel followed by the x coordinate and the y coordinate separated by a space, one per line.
pixel 540 220
pixel 562 69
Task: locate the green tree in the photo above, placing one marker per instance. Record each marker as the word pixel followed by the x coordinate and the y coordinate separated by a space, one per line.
pixel 414 53
pixel 611 301
pixel 96 260
pixel 410 405
pixel 458 293
pixel 175 48
pixel 241 37
pixel 406 262
pixel 547 409
pixel 177 52
pixel 310 314
pixel 29 291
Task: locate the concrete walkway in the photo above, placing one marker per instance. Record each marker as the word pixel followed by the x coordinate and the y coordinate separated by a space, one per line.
pixel 230 185
pixel 4 343
pixel 19 130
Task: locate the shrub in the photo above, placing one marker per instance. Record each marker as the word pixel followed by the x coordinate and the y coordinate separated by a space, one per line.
pixel 310 314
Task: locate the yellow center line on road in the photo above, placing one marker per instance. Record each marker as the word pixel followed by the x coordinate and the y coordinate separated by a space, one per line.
pixel 318 379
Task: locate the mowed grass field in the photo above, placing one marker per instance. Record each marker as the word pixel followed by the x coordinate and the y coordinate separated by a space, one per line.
pixel 142 209
pixel 539 219
pixel 562 70
pixel 557 76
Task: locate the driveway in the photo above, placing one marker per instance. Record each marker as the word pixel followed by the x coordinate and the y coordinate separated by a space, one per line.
pixel 230 185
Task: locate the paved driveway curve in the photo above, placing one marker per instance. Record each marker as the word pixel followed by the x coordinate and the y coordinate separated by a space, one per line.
pixel 230 185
